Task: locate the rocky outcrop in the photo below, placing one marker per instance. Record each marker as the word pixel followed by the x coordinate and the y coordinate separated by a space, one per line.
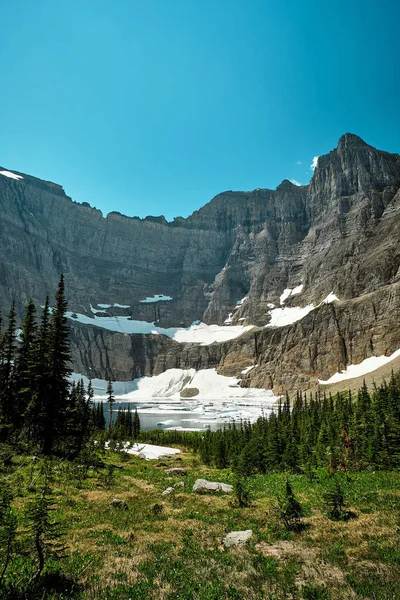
pixel 340 233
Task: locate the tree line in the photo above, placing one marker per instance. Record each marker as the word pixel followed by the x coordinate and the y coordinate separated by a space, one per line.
pixel 343 432
pixel 339 432
pixel 39 408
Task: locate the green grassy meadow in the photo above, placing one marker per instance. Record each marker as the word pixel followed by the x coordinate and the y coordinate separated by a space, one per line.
pixel 171 547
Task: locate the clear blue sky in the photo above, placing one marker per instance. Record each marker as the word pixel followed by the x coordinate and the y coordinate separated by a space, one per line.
pixel 155 106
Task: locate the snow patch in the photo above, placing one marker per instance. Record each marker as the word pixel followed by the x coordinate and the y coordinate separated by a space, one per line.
pixel 285 294
pixel 330 298
pixel 288 315
pixel 314 163
pixel 95 310
pixel 11 175
pixel 366 366
pixel 116 305
pixel 148 451
pixel 247 370
pixel 240 302
pixel 156 298
pixel 198 332
pixel 290 292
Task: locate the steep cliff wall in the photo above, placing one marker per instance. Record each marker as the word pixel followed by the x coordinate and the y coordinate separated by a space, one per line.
pixel 338 234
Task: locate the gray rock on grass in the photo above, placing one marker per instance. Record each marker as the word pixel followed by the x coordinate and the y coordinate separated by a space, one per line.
pixel 175 471
pixel 237 538
pixel 202 485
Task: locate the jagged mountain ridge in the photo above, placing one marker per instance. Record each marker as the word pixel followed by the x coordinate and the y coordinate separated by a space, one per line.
pixel 339 233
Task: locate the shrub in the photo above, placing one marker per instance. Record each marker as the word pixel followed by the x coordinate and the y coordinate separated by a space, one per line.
pixel 335 503
pixel 289 509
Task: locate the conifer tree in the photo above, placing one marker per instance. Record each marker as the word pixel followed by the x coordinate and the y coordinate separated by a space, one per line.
pixel 35 417
pixel 136 425
pixel 290 510
pixel 111 401
pixel 59 360
pixel 25 365
pixel 46 533
pixel 7 389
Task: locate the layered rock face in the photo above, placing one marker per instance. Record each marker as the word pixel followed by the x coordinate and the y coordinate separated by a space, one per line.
pixel 338 234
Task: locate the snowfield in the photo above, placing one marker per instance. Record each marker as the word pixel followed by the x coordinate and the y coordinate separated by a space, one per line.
pixel 366 366
pixel 287 315
pixel 198 332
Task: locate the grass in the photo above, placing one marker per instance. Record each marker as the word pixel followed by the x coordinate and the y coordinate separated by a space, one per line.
pixel 176 551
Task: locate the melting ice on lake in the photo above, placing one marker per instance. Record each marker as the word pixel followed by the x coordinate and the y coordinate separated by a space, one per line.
pixel 219 400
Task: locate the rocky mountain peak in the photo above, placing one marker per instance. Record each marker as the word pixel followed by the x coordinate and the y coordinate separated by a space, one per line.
pixel 350 140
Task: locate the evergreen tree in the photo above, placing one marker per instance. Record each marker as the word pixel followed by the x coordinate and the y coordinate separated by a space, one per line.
pixel 136 425
pixel 35 416
pixel 111 401
pixel 45 532
pixel 335 502
pixel 25 365
pixel 59 360
pixel 290 510
pixel 7 388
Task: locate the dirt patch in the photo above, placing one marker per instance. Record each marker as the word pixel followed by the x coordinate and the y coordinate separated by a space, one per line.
pixel 312 568
pixel 139 483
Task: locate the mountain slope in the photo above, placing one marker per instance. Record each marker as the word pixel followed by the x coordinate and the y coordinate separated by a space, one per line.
pixel 339 234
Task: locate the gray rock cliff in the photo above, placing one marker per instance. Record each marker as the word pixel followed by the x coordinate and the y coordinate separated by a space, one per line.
pixel 338 234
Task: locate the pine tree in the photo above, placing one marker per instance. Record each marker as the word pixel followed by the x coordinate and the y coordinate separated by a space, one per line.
pixel 335 502
pixel 35 417
pixel 59 360
pixel 136 425
pixel 290 510
pixel 45 532
pixel 102 419
pixel 7 388
pixel 111 401
pixel 25 365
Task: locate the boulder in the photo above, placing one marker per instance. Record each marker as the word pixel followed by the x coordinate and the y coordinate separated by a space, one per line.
pixel 189 393
pixel 168 491
pixel 237 538
pixel 179 484
pixel 202 485
pixel 175 471
pixel 119 503
pixel 165 457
